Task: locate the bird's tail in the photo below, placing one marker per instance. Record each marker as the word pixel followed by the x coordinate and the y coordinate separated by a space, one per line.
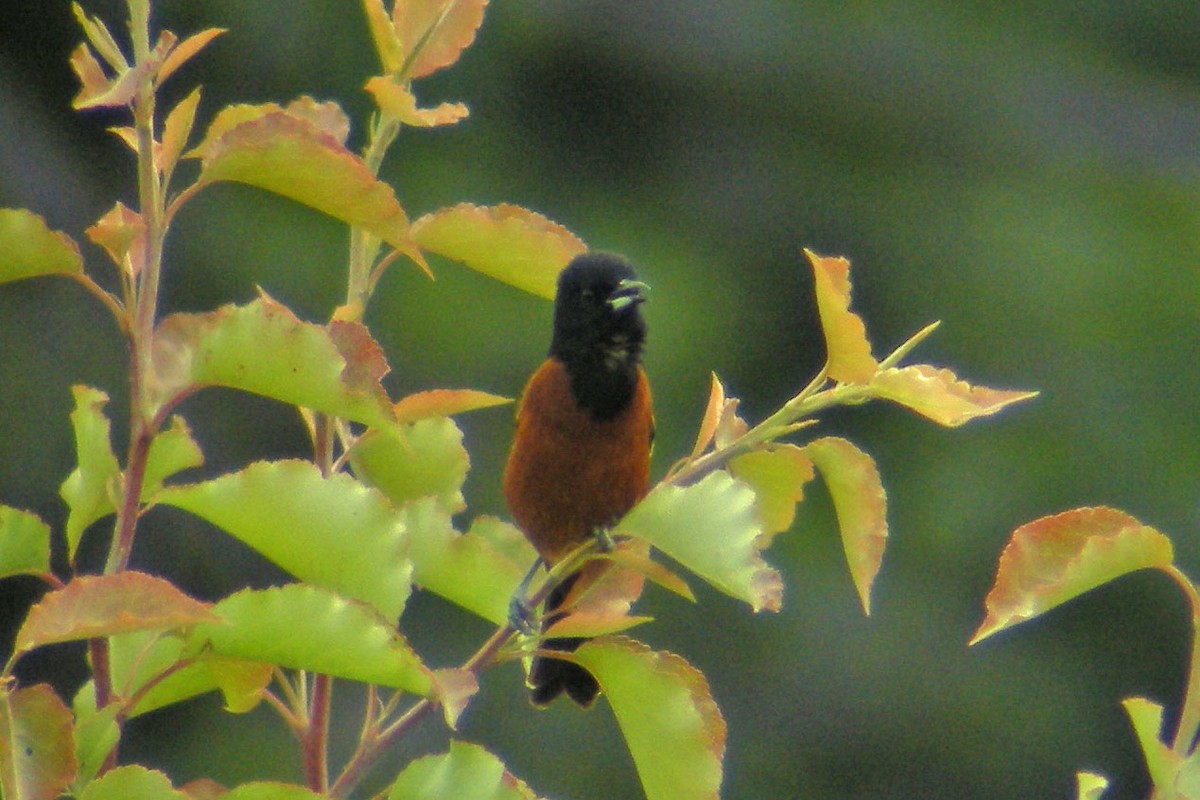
pixel 550 677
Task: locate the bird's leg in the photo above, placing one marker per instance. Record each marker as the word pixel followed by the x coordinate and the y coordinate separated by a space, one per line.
pixel 520 613
pixel 605 543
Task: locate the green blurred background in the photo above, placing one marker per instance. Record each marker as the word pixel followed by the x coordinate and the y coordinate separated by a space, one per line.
pixel 1027 172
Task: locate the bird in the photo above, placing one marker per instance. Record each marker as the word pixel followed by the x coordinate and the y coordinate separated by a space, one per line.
pixel 580 458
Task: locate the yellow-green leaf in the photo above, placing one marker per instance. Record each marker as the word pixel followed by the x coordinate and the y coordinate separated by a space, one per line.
pixel 88 490
pixel 444 403
pixel 24 543
pixel 37 750
pixel 939 395
pixel 28 248
pixel 407 462
pixel 849 351
pixel 467 771
pixel 1090 785
pixel 399 102
pixel 132 783
pixel 778 474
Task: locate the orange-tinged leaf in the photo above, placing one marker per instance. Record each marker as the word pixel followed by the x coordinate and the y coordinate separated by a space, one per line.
pixel 383 34
pixel 28 248
pixel 93 81
pixel 666 713
pixel 98 34
pixel 849 351
pixel 176 130
pixel 37 749
pixel 188 48
pixel 861 506
pixel 505 242
pixel 121 90
pixel 777 473
pixel 293 157
pixel 939 395
pixel 91 606
pixel 122 235
pixel 401 103
pixel 444 403
pixel 712 416
pixel 638 559
pixel 1057 558
pixel 433 33
pixel 600 600
pixel 454 689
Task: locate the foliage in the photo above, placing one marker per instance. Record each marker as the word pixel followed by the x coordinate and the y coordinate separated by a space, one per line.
pixel 370 516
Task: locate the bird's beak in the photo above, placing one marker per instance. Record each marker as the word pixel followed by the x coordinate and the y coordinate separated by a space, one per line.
pixel 628 293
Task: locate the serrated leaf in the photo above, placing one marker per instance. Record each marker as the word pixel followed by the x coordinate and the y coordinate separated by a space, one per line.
pixel 861 506
pixel 132 783
pixel 939 395
pixel 24 543
pixel 712 529
pixel 463 568
pixel 444 403
pixel 267 790
pixel 293 157
pixel 88 490
pixel 1146 717
pixel 505 242
pixel 28 248
pixel 399 101
pixel 306 627
pixel 37 751
pixel 421 459
pixel 103 605
pixel 264 348
pixel 333 532
pixel 186 50
pixel 667 715
pixel 466 771
pixel 1089 785
pixel 849 351
pixel 433 33
pixel 778 474
pixel 1057 558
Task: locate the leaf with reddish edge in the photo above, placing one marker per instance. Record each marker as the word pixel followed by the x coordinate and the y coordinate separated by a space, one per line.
pixel 93 606
pixel 861 506
pixel 399 102
pixel 600 599
pixel 666 713
pixel 778 474
pixel 505 242
pixel 1057 558
pixel 28 248
pixel 293 157
pixel 939 395
pixel 454 689
pixel 122 234
pixel 849 351
pixel 441 29
pixel 444 403
pixel 24 543
pixel 186 50
pixel 326 116
pixel 466 771
pixel 93 80
pixel 37 749
pixel 121 90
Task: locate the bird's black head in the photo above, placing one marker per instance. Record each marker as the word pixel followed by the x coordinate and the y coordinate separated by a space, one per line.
pixel 599 331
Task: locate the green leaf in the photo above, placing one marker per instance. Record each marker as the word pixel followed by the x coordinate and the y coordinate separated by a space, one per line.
pixel 861 505
pixel 28 248
pixel 466 771
pixel 777 473
pixel 383 34
pixel 1057 558
pixel 307 627
pixel 96 734
pixel 132 783
pixel 24 543
pixel 37 751
pixel 265 790
pixel 1089 785
pixel 88 490
pixel 91 606
pixel 712 529
pixel 1147 719
pixel 848 349
pixel 505 242
pixel 407 462
pixel 939 395
pixel 264 348
pixel 463 568
pixel 333 532
pixel 172 451
pixel 293 157
pixel 667 715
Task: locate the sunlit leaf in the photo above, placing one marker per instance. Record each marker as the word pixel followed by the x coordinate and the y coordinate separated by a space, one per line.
pixel 861 506
pixel 264 348
pixel 122 89
pixel 777 473
pixel 307 627
pixel 88 490
pixel 1147 719
pixel 122 234
pixel 28 248
pixel 508 243
pixel 186 50
pixel 132 783
pixel 407 462
pixel 433 33
pixel 93 80
pixel 444 403
pixel 383 34
pixel 266 790
pixel 466 771
pixel 1057 558
pixel 712 416
pixel 399 102
pixel 505 538
pixel 24 543
pixel 333 532
pixel 712 529
pixel 172 451
pixel 1089 785
pixel 37 750
pixel 100 38
pixel 90 606
pixel 849 351
pixel 666 713
pixel 293 157
pixel 939 395
pixel 463 568
pixel 176 130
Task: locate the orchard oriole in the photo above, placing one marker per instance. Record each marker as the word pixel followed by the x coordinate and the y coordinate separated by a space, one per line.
pixel 581 455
